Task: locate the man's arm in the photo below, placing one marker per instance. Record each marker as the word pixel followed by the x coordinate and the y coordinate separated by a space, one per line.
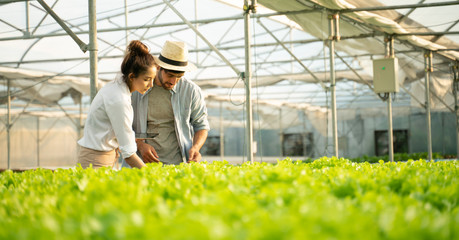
pixel 198 141
pixel 147 152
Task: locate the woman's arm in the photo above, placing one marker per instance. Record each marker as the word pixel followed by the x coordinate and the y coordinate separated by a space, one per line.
pixel 119 112
pixel 135 161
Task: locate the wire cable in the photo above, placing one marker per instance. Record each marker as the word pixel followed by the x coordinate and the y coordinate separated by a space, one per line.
pixel 231 92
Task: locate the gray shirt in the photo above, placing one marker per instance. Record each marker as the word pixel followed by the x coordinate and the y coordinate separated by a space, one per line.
pixel 160 120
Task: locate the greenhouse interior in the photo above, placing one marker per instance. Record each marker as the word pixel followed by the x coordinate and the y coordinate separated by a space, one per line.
pixel 297 78
pixel 329 120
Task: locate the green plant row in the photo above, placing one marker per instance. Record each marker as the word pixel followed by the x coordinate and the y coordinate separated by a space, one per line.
pixel 329 198
pixel 397 157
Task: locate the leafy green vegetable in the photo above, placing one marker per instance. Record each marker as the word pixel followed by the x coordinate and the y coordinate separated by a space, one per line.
pixel 328 198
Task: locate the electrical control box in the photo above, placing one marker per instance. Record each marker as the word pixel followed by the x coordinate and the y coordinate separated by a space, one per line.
pixel 385 75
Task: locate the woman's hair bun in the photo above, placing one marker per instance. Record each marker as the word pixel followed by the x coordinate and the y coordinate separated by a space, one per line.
pixel 136 47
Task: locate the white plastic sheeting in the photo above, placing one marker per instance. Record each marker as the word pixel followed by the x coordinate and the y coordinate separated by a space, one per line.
pixel 43 87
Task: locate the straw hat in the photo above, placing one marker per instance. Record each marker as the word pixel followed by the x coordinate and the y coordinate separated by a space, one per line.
pixel 174 56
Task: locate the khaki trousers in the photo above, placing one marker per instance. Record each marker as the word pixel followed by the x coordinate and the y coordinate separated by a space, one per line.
pixel 98 159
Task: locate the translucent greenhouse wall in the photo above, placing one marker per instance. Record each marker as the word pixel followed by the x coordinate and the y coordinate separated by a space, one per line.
pixel 57 139
pixel 47 142
pixel 362 135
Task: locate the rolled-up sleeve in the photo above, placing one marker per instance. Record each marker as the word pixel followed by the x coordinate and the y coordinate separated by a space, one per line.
pixel 120 114
pixel 198 116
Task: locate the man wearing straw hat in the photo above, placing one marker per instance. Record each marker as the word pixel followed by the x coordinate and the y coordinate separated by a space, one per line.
pixel 173 109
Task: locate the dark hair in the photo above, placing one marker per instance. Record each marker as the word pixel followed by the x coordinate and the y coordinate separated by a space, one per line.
pixel 136 61
pixel 173 71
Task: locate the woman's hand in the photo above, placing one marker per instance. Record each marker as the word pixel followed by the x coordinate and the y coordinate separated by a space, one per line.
pixel 134 161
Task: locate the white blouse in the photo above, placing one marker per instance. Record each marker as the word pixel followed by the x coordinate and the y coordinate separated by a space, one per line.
pixel 109 122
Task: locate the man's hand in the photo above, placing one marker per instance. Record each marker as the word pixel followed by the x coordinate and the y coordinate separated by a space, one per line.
pixel 147 152
pixel 195 155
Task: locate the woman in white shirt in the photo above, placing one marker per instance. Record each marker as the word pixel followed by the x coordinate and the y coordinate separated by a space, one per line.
pixel 109 122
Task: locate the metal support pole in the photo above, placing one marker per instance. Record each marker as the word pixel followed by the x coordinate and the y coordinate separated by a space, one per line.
pixel 428 70
pixel 75 38
pixel 247 78
pixel 80 118
pixel 222 133
pixel 126 22
pixel 390 131
pixel 281 134
pixel 455 71
pixel 305 134
pixel 196 25
pixel 455 76
pixel 333 19
pixel 291 49
pixel 27 32
pixel 8 120
pixel 93 48
pixel 38 141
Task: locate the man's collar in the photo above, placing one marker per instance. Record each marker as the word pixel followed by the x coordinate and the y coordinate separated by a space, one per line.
pixel 174 89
